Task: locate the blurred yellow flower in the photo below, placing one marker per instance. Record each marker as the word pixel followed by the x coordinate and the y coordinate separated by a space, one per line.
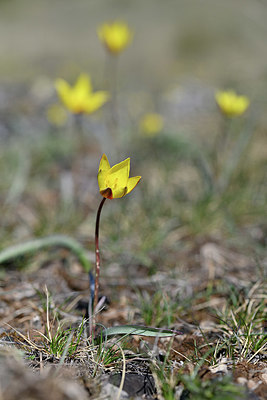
pixel 231 104
pixel 115 182
pixel 116 36
pixel 56 115
pixel 80 98
pixel 151 124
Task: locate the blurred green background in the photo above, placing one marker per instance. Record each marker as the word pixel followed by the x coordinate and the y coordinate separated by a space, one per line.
pixel 182 52
pixel 219 42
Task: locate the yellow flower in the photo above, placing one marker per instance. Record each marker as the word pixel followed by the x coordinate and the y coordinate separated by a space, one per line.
pixel 115 36
pixel 56 114
pixel 80 98
pixel 115 182
pixel 151 124
pixel 231 104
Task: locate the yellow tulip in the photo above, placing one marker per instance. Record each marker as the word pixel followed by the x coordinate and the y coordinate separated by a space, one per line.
pixel 115 182
pixel 80 98
pixel 115 36
pixel 56 114
pixel 151 124
pixel 231 104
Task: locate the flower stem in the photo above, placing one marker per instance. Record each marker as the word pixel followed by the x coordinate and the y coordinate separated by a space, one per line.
pixel 111 72
pixel 97 253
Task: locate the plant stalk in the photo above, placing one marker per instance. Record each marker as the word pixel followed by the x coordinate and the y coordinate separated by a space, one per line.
pixel 97 254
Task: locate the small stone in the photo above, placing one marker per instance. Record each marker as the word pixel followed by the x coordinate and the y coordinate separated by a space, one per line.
pixel 264 377
pixel 252 385
pixel 110 391
pixel 242 381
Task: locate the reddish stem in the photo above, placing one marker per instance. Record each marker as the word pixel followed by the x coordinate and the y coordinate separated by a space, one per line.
pixel 97 253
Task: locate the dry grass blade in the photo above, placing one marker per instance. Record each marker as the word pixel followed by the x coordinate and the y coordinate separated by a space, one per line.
pixel 123 373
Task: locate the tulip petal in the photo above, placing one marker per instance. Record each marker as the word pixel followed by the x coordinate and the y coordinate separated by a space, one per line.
pixel 83 85
pixel 119 192
pixel 117 178
pixel 102 181
pixel 104 164
pixel 114 182
pixel 120 172
pixel 95 101
pixel 231 104
pixel 63 90
pixel 115 36
pixel 132 182
pixel 104 167
pixel 80 98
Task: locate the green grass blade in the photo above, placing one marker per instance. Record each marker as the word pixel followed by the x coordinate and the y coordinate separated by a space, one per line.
pixel 139 330
pixel 35 245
